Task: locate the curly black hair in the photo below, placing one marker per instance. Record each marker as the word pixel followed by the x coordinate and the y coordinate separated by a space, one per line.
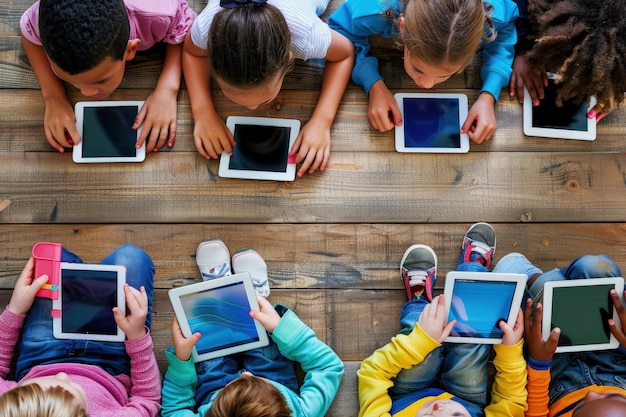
pixel 77 35
pixel 584 44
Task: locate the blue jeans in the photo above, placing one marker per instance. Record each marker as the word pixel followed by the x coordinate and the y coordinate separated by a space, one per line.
pixel 266 362
pixel 570 372
pixel 38 346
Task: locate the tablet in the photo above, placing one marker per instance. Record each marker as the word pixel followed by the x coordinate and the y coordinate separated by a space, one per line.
pixel 87 295
pixel 261 150
pixel 432 123
pixel 568 121
pixel 106 131
pixel 581 308
pixel 478 301
pixel 219 309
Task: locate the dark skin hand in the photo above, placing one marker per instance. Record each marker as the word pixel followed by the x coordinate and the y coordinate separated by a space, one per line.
pixel 538 348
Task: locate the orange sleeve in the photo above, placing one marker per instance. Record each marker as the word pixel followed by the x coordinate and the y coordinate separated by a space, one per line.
pixel 538 397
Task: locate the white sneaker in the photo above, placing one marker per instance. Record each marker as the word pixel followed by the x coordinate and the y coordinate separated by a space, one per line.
pixel 213 259
pixel 248 260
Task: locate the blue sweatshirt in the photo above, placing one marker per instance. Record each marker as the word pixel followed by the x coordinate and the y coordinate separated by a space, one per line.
pixel 359 19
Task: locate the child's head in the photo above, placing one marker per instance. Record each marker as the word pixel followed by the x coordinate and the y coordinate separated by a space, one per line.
pixel 249 51
pixel 87 42
pixel 53 396
pixel 443 408
pixel 597 404
pixel 249 396
pixel 585 45
pixel 440 38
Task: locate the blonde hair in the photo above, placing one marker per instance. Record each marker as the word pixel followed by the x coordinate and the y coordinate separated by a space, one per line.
pixel 249 396
pixel 33 401
pixel 445 32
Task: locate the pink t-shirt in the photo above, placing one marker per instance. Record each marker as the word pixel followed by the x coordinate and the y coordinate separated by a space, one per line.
pixel 150 21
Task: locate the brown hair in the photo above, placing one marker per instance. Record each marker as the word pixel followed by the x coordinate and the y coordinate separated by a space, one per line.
pixel 584 46
pixel 445 32
pixel 33 401
pixel 249 396
pixel 249 45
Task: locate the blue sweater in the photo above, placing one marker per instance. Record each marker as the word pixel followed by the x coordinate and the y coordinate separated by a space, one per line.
pixel 359 19
pixel 295 341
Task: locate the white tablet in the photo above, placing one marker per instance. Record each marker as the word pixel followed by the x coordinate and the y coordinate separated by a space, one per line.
pixel 261 150
pixel 581 308
pixel 478 301
pixel 106 131
pixel 87 295
pixel 568 121
pixel 219 309
pixel 431 122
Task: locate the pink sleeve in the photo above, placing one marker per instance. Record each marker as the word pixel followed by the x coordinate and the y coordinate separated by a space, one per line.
pixel 181 23
pixel 10 326
pixel 29 24
pixel 145 390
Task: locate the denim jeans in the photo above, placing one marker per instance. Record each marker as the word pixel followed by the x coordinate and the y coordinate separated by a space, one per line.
pixel 38 346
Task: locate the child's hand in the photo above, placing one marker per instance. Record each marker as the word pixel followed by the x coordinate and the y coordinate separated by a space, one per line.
pixel 25 289
pixel 621 312
pixel 433 320
pixel 535 79
pixel 267 316
pixel 383 111
pixel 537 348
pixel 481 119
pixel 134 324
pixel 59 124
pixel 158 117
pixel 211 136
pixel 182 345
pixel 312 147
pixel 512 335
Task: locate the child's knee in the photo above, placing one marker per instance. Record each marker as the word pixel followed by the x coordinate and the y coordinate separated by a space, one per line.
pixel 593 266
pixel 129 255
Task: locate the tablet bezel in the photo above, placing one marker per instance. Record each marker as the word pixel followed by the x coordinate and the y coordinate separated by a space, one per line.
pixel 518 294
pixel 464 145
pixel 530 130
pixel 79 111
pixel 548 293
pixel 175 295
pixel 290 173
pixel 57 305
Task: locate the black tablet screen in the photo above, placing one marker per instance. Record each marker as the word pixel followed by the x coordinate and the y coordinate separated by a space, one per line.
pixel 108 131
pixel 260 148
pixel 88 299
pixel 569 116
pixel 431 122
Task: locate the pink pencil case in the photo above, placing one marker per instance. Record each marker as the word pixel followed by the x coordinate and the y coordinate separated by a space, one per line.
pixel 48 261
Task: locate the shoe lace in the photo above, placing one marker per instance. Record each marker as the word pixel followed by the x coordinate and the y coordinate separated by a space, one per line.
pixel 418 277
pixel 480 252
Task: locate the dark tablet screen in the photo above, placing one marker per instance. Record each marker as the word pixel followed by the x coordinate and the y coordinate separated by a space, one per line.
pixel 478 306
pixel 431 123
pixel 260 148
pixel 582 314
pixel 108 132
pixel 88 299
pixel 569 116
pixel 221 315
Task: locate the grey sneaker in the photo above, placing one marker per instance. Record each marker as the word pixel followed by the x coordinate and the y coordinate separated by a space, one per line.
pixel 213 259
pixel 418 270
pixel 479 245
pixel 248 260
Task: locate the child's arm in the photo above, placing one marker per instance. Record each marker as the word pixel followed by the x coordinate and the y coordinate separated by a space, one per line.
pixel 313 143
pixel 59 114
pixel 158 114
pixel 621 312
pixel 210 133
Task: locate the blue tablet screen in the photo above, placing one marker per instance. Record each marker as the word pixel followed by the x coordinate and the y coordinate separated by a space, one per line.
pixel 221 315
pixel 108 132
pixel 478 306
pixel 431 122
pixel 260 148
pixel 569 116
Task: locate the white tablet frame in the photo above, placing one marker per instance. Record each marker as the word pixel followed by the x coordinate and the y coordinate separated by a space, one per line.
pixel 288 175
pixel 57 305
pixel 516 302
pixel 530 130
pixel 175 295
pixel 463 109
pixel 77 151
pixel 548 288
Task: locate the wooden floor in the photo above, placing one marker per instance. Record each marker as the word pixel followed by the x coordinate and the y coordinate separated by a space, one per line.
pixel 332 240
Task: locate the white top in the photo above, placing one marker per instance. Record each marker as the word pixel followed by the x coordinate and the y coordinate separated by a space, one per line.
pixel 310 36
